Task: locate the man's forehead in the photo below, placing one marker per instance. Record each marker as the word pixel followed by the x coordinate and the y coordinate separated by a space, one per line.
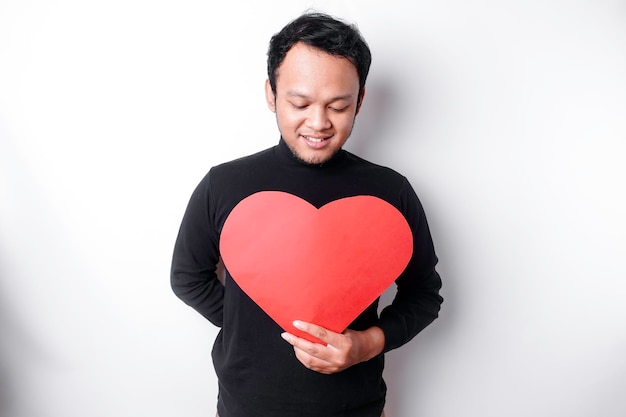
pixel 302 94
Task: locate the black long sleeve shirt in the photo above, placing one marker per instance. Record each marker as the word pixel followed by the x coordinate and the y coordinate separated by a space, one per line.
pixel 257 370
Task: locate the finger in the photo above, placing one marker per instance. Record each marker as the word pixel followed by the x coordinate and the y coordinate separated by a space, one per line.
pixel 312 355
pixel 327 336
pixel 310 348
pixel 314 363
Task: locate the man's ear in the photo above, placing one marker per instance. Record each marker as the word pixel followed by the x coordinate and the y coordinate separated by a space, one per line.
pixel 362 96
pixel 270 97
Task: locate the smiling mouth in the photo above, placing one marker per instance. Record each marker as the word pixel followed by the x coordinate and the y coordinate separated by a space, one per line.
pixel 315 140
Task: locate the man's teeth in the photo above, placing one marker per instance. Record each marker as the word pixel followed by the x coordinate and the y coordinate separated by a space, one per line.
pixel 316 140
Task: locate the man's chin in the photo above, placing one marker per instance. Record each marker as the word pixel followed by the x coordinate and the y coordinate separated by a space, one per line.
pixel 313 158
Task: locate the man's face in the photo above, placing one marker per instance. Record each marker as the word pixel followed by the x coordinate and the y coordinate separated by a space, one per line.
pixel 315 102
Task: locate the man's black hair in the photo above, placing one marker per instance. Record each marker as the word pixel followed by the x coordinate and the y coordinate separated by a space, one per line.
pixel 323 32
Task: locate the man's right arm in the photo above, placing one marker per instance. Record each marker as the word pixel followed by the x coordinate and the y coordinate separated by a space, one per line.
pixel 196 257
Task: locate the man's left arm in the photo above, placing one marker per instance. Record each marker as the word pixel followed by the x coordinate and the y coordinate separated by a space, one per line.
pixel 415 306
pixel 417 301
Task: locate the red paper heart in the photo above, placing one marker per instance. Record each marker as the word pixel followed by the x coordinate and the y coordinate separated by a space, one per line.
pixel 323 266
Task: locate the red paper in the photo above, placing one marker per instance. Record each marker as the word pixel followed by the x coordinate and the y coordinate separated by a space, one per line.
pixel 323 266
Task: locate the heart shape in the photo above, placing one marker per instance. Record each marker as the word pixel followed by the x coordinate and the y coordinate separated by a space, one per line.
pixel 323 266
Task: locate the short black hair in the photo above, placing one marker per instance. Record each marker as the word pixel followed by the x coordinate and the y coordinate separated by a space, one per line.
pixel 324 32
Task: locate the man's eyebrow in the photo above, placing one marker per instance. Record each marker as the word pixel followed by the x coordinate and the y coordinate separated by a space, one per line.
pixel 295 93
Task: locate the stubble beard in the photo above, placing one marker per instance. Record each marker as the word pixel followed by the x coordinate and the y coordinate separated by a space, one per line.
pixel 314 160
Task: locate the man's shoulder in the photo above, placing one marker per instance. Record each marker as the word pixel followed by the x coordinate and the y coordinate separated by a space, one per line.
pixel 373 168
pixel 245 161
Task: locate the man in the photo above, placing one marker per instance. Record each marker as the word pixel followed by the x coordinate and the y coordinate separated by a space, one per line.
pixel 317 68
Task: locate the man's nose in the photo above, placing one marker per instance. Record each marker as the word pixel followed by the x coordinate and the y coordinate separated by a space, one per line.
pixel 318 118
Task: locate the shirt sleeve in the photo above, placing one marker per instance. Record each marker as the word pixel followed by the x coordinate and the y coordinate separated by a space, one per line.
pixel 417 301
pixel 196 256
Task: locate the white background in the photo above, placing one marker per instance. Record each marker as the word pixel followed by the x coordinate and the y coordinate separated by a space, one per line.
pixel 509 118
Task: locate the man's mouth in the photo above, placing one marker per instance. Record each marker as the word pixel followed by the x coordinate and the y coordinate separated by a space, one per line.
pixel 316 139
